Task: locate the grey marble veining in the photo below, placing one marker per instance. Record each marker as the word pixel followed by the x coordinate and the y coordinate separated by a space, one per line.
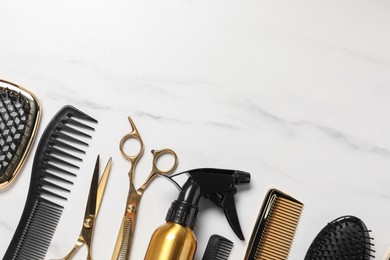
pixel 295 92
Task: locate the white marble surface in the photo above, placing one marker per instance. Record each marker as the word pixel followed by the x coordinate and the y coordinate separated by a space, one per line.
pixel 295 92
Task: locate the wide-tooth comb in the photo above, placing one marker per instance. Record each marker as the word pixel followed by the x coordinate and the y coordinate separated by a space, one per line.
pixel 344 238
pixel 19 119
pixel 275 227
pixel 218 248
pixel 49 183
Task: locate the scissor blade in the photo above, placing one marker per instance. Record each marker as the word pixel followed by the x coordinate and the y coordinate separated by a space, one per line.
pixel 91 206
pixel 102 185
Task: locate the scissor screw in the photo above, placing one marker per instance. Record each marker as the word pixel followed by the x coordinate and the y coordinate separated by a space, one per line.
pixel 88 223
pixel 131 208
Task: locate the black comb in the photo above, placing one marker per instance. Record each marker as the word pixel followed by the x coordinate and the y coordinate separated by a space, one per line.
pixel 344 238
pixel 49 183
pixel 218 248
pixel 19 120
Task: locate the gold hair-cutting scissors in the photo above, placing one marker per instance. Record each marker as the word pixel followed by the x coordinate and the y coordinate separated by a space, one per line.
pixel 94 200
pixel 126 232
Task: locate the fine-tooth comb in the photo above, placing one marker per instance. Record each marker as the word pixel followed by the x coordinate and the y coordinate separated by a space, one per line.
pixel 344 238
pixel 275 227
pixel 218 248
pixel 19 119
pixel 48 185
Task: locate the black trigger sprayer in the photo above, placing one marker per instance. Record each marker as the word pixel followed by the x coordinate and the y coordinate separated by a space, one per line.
pixel 175 240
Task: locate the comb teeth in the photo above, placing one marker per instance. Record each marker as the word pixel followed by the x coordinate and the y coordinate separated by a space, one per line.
pixel 56 161
pixel 275 227
pixel 218 248
pixel 37 228
pixel 344 238
pixel 63 151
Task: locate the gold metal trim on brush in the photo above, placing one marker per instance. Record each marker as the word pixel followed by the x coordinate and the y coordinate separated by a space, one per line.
pixel 275 227
pixel 33 121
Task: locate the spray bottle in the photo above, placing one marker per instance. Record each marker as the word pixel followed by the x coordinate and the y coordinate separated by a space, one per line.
pixel 175 240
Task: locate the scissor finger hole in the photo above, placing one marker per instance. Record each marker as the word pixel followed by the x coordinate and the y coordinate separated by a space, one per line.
pixel 131 146
pixel 165 162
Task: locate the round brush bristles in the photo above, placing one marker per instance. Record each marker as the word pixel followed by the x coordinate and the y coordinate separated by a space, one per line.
pixel 344 238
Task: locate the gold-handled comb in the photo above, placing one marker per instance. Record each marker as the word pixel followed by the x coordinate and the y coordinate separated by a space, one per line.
pixel 275 227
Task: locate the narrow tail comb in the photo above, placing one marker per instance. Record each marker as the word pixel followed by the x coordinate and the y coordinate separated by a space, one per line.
pixel 20 113
pixel 56 161
pixel 218 248
pixel 344 238
pixel 275 227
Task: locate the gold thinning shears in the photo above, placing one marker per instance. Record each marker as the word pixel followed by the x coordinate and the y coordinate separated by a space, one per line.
pixel 126 232
pixel 92 209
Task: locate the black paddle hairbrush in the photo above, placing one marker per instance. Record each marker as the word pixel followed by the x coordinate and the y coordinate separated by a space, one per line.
pixel 344 238
pixel 218 248
pixel 55 158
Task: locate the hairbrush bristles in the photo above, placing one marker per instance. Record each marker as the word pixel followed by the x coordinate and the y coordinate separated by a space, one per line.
pixel 19 120
pixel 275 227
pixel 218 248
pixel 56 162
pixel 344 238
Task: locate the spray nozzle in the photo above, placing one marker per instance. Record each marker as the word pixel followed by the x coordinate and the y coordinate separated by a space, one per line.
pixel 218 185
pixel 241 177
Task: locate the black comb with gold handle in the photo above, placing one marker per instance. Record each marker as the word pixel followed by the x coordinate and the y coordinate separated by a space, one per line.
pixel 275 227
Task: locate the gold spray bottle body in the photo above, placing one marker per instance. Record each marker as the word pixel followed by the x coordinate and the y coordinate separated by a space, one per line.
pixel 172 241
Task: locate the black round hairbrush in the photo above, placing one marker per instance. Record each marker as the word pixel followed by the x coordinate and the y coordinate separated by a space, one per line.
pixel 344 238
